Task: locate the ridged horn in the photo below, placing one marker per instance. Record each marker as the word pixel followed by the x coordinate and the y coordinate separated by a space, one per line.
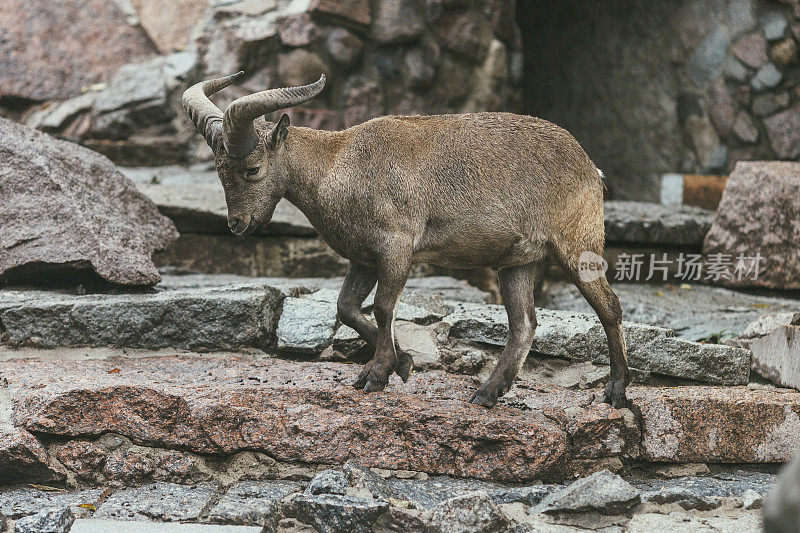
pixel 206 116
pixel 238 132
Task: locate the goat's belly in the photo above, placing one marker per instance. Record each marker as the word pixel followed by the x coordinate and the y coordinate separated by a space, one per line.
pixel 480 249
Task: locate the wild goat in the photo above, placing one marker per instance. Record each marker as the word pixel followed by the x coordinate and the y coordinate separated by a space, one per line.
pixel 462 191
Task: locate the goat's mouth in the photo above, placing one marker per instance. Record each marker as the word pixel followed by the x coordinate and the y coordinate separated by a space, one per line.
pixel 246 231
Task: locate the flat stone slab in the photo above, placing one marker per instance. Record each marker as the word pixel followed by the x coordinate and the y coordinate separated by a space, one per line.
pixel 650 223
pixel 718 424
pixel 201 312
pixel 93 525
pixel 580 336
pixel 159 502
pixel 309 413
pixel 207 318
pixel 25 502
pixel 698 312
pixel 200 316
pixel 195 202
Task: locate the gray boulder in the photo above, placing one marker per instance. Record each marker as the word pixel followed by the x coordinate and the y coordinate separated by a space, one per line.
pixel 56 520
pixel 474 512
pixel 306 325
pixel 139 95
pixel 195 202
pixel 580 336
pixel 685 497
pixel 66 207
pixel 774 341
pixel 330 513
pixel 328 482
pixel 602 491
pixel 650 223
pixel 252 503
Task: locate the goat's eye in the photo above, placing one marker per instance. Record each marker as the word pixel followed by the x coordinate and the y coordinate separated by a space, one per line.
pixel 252 171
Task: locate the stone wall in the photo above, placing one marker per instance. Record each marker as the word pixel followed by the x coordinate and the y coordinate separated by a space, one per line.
pixel 653 87
pixel 381 57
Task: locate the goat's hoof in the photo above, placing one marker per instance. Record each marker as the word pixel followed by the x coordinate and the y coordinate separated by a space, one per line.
pixel 374 385
pixel 484 398
pixel 361 380
pixel 615 393
pixel 404 365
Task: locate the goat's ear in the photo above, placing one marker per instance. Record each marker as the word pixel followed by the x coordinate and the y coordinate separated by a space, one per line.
pixel 278 133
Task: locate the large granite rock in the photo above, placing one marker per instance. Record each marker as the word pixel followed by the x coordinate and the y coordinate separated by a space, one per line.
pixel 66 206
pixel 52 50
pixel 580 336
pixel 718 424
pixel 759 215
pixel 169 23
pixel 774 341
pixel 306 412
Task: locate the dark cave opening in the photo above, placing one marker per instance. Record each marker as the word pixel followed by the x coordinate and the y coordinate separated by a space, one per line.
pixel 603 71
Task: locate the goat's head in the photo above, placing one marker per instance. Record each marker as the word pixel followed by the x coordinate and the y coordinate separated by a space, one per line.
pixel 249 166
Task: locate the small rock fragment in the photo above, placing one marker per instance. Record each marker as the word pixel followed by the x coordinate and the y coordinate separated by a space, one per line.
pixel 474 512
pixel 751 499
pixel 55 520
pixel 331 513
pixel 686 498
pixel 328 482
pixel 767 77
pixel 602 491
pixel 360 477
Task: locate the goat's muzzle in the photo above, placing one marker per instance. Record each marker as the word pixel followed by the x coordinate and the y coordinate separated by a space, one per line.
pixel 240 224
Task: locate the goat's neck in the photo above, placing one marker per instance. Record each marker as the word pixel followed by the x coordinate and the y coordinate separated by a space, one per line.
pixel 309 154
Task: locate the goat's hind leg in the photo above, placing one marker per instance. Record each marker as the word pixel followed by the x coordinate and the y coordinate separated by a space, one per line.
pixel 606 304
pixel 517 285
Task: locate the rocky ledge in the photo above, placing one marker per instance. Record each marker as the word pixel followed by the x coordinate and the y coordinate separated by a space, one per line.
pixel 354 498
pixel 307 413
pixel 298 319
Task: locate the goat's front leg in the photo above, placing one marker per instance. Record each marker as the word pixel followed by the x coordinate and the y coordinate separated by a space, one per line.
pixel 392 277
pixel 358 283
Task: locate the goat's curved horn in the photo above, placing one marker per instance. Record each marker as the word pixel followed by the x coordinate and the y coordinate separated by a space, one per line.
pixel 238 132
pixel 206 116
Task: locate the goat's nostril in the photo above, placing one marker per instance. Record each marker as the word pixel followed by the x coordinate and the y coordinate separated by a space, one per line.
pixel 238 224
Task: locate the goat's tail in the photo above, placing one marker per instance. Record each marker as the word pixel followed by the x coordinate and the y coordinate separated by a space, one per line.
pixel 603 183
